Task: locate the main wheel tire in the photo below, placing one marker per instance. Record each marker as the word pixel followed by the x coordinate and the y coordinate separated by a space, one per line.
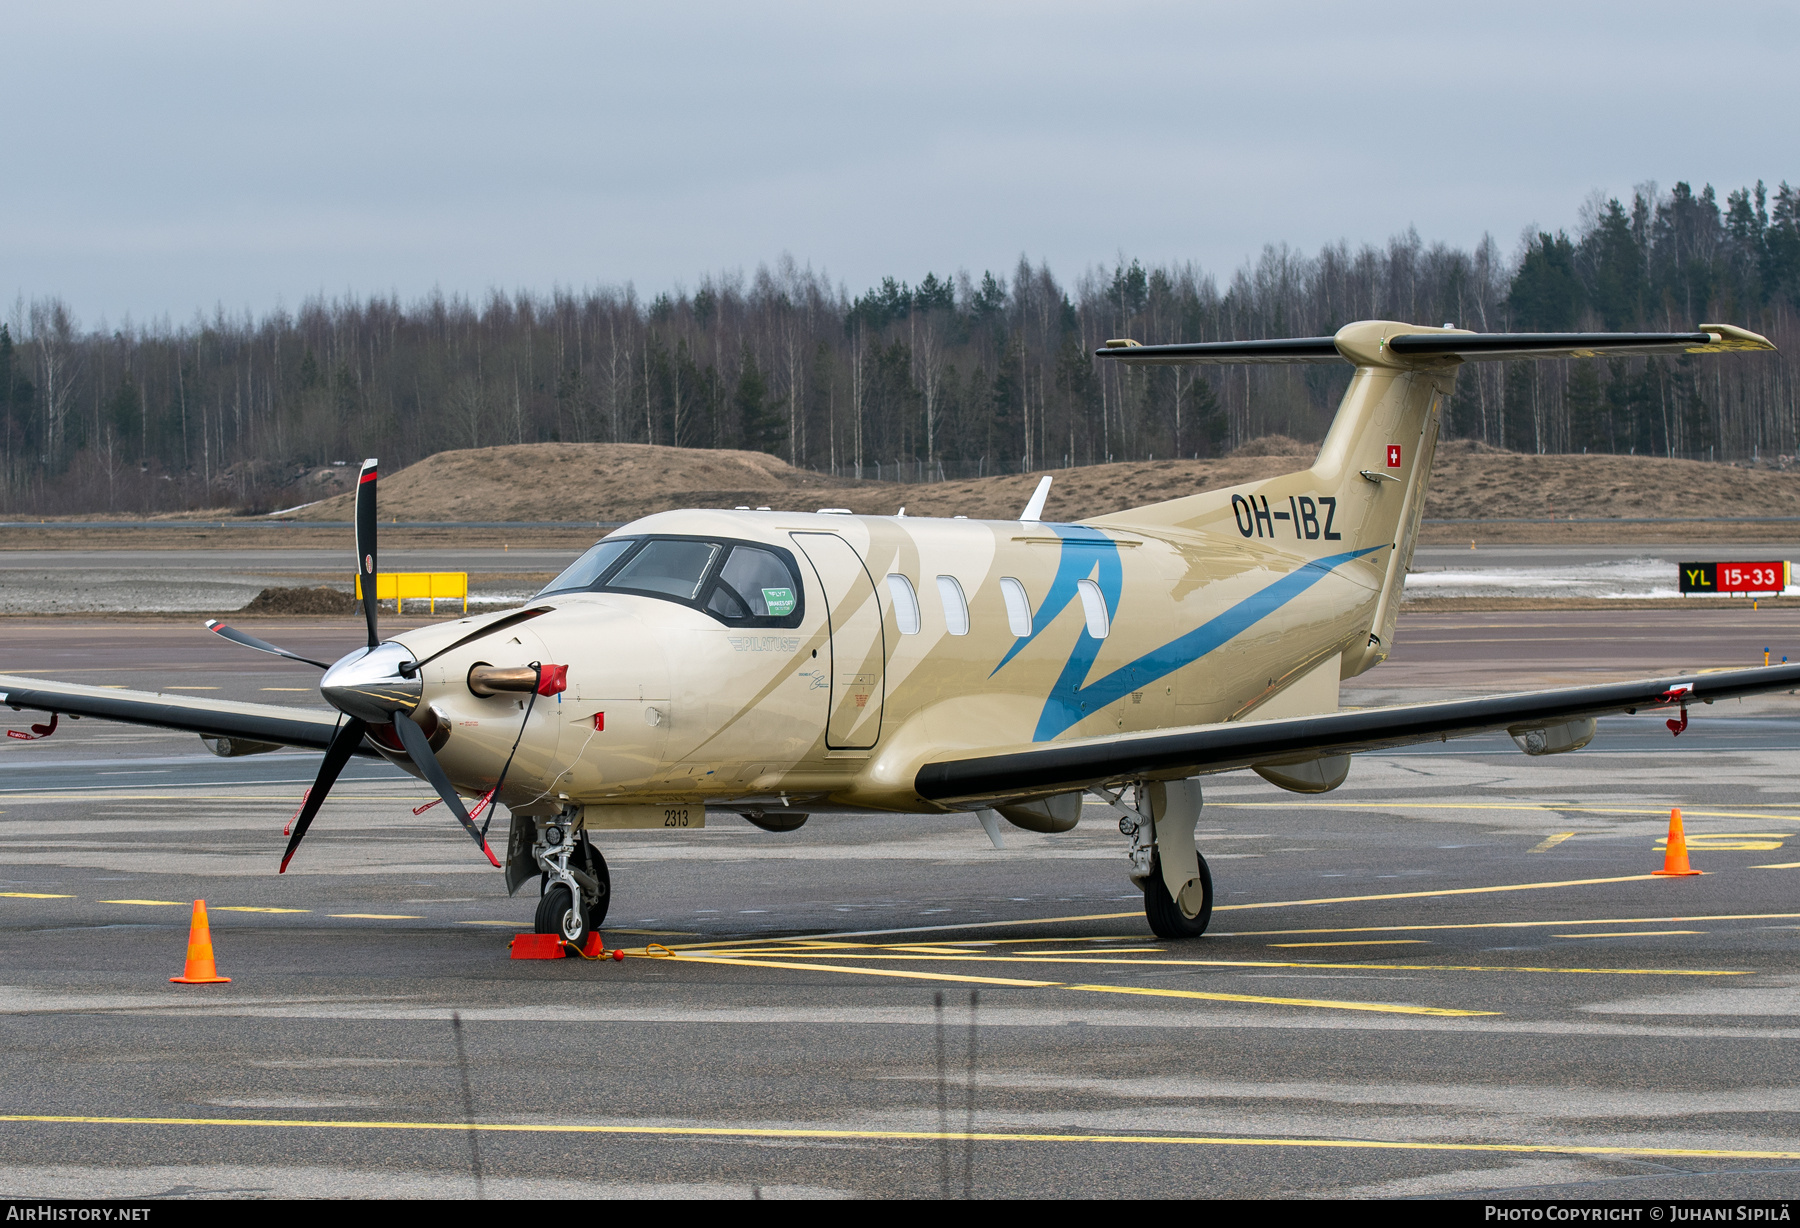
pixel 596 866
pixel 557 914
pixel 1167 920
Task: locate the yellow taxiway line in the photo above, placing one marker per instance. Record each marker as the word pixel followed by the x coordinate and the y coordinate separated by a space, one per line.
pixel 1138 913
pixel 1258 999
pixel 1529 808
pixel 763 956
pixel 1508 925
pixel 978 1136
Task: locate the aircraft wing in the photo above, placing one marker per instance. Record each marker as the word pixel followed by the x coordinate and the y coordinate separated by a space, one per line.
pixel 1053 767
pixel 269 724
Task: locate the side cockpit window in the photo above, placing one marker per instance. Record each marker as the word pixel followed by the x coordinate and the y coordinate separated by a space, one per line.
pixel 737 583
pixel 754 583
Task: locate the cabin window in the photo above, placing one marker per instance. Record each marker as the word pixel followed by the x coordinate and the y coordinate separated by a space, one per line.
pixel 1093 604
pixel 1018 606
pixel 906 603
pixel 586 571
pixel 674 568
pixel 956 609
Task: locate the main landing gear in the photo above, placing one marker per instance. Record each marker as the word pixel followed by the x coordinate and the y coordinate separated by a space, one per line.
pixel 1177 886
pixel 576 886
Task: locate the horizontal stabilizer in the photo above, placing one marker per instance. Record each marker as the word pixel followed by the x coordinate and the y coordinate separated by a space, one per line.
pixel 1403 348
pixel 1281 349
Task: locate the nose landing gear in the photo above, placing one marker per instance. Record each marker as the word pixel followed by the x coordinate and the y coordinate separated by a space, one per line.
pixel 577 885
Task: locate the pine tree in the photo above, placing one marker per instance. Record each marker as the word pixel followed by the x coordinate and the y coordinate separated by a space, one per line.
pixel 760 427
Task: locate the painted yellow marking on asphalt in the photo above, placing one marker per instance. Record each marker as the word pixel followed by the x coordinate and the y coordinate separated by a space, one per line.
pixel 1726 841
pixel 1391 1008
pixel 1137 915
pixel 1419 895
pixel 1368 942
pixel 751 958
pixel 286 799
pixel 980 1137
pixel 746 961
pixel 33 895
pixel 985 1136
pixel 1630 934
pixel 251 908
pixel 1539 808
pixel 1785 865
pixel 1551 842
pixel 1107 951
pixel 1515 925
pixel 377 916
pixel 151 903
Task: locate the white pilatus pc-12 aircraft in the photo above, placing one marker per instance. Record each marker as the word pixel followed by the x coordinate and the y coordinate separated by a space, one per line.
pixel 775 664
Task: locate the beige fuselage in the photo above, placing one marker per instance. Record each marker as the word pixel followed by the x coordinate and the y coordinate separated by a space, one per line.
pixel 1249 602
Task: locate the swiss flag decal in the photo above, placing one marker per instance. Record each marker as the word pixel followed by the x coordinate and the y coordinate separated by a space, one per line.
pixel 1393 456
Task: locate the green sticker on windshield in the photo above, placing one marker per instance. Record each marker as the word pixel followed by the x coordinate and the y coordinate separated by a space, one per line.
pixel 780 601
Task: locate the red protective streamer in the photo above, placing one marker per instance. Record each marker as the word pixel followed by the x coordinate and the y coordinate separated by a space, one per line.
pixel 38 732
pixel 289 829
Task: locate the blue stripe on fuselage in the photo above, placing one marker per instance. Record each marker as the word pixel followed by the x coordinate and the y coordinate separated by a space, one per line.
pixel 1070 702
pixel 1082 550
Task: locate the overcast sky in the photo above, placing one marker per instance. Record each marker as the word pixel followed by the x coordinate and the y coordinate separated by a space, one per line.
pixel 167 158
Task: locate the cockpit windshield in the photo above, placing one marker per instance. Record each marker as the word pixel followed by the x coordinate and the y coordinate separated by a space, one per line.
pixel 735 582
pixel 675 568
pixel 587 569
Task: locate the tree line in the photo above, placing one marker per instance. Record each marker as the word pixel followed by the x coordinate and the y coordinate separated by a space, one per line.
pixel 952 376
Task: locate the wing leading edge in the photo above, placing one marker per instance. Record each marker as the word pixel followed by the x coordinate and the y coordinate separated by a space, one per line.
pixel 210 718
pixel 1064 766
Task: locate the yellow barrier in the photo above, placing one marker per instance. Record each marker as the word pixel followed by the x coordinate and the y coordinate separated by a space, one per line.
pixel 397 586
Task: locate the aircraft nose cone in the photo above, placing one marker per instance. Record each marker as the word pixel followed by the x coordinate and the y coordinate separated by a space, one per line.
pixel 368 684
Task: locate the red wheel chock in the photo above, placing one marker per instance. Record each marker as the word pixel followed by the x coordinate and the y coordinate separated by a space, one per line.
pixel 552 946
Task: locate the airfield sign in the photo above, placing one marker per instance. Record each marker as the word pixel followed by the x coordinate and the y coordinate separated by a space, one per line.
pixel 1764 577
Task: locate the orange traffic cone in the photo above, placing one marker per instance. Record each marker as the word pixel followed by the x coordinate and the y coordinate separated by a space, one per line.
pixel 200 968
pixel 1675 859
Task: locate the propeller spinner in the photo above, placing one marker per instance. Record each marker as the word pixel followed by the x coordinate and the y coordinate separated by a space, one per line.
pixel 375 685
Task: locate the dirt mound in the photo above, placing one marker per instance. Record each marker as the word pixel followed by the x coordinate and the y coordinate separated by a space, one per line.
pixel 620 482
pixel 1276 445
pixel 1469 484
pixel 584 481
pixel 320 600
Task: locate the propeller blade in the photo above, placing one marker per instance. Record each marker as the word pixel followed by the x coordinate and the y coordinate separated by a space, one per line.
pixel 343 742
pixel 365 544
pixel 419 747
pixel 499 624
pixel 250 641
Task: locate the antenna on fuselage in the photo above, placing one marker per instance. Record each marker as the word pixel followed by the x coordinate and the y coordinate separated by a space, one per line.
pixel 1034 510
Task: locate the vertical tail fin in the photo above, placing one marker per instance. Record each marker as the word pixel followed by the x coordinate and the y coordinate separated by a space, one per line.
pixel 1365 493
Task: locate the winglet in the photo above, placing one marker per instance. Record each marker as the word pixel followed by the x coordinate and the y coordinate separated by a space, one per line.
pixel 1034 510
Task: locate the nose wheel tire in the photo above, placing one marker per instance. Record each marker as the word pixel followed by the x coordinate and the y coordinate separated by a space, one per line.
pixel 1169 918
pixel 557 914
pixel 596 865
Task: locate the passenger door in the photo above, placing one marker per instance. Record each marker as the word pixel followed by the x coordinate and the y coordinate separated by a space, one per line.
pixel 858 648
